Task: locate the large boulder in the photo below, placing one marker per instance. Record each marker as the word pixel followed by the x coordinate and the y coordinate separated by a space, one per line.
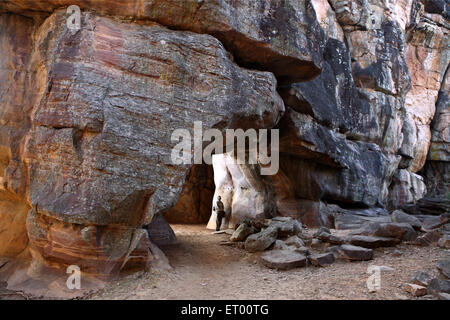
pixel 98 152
pixel 402 217
pixel 262 240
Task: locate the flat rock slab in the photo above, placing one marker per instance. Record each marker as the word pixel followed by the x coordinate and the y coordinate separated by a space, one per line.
pixel 372 242
pixel 402 231
pixel 283 259
pixel 322 260
pixel 444 267
pixel 355 253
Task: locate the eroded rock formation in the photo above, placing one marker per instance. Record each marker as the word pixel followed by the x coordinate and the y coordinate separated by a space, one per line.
pixel 358 90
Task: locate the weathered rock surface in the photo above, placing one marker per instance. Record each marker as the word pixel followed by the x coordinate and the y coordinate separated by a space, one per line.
pixel 321 260
pixel 86 119
pixel 283 259
pixel 428 206
pixel 278 36
pixel 329 238
pixel 428 238
pixel 415 290
pixel 355 253
pixel 294 241
pixel 402 231
pixel 372 242
pixel 262 240
pixel 242 232
pixel 98 144
pixel 402 217
pixel 439 288
pixel 421 278
pixel 286 226
pixel 406 187
pixel 444 267
pixel 160 232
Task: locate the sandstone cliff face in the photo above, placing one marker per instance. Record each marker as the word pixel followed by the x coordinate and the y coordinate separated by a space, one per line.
pixel 356 88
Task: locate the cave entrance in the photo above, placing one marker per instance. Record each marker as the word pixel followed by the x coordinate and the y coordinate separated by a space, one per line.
pixel 191 213
pixel 195 202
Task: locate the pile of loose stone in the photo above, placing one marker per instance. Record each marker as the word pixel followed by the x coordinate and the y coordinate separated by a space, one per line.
pixel 286 244
pixel 423 283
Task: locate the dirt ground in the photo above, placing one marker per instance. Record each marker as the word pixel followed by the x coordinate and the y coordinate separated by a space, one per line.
pixel 205 269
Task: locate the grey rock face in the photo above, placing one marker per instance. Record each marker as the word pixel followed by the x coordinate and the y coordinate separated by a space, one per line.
pixel 160 232
pixel 242 232
pixel 421 278
pixel 400 217
pixel 372 242
pixel 439 288
pixel 355 253
pixel 402 231
pixel 286 226
pixel 444 267
pixel 322 260
pixel 342 170
pixel 262 240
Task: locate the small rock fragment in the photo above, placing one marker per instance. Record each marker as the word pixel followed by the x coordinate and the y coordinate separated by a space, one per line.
pixel 415 290
pixel 444 242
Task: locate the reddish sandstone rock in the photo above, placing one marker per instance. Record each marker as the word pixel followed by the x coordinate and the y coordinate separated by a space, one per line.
pixel 276 35
pixel 107 100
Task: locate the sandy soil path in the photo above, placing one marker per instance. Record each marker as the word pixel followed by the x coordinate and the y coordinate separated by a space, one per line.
pixel 205 269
